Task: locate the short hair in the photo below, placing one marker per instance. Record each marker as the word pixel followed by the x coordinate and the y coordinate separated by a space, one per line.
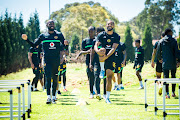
pixel 100 29
pixel 91 28
pixel 168 30
pixel 49 21
pixel 163 34
pixel 110 21
pixel 137 41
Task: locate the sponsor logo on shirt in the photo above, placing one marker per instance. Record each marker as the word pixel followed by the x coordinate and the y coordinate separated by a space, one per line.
pixel 52 46
pixel 104 37
pixel 108 46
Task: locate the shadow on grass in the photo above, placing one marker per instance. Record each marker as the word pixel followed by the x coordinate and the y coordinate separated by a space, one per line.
pixel 127 104
pixel 118 94
pixel 66 104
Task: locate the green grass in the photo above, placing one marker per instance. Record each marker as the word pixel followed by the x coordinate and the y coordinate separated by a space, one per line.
pixel 126 104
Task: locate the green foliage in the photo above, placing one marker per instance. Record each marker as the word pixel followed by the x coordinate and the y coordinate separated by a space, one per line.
pixel 13 50
pixel 128 43
pixel 160 14
pixel 77 17
pixel 75 44
pixel 147 42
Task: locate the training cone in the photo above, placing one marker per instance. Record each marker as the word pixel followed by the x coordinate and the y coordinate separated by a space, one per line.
pixel 75 91
pixel 82 102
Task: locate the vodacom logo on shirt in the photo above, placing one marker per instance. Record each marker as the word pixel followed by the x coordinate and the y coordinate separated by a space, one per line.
pixel 52 46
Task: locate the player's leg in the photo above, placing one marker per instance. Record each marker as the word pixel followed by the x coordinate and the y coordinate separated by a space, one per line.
pixel 48 69
pixel 138 74
pixel 54 76
pixel 173 75
pixel 115 83
pixel 64 77
pixel 40 78
pixel 36 77
pixel 121 85
pixel 91 81
pixel 109 74
pixel 97 80
pixel 104 95
pixel 119 81
pixel 166 75
pixel 102 72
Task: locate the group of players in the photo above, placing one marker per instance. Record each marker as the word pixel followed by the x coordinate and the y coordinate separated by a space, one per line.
pixel 105 55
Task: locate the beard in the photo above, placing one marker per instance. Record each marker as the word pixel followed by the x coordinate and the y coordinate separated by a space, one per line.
pixel 109 29
pixel 51 29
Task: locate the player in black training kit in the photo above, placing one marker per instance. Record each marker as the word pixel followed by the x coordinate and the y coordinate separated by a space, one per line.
pixel 167 51
pixel 158 64
pixel 51 44
pixel 120 60
pixel 109 41
pixel 139 62
pixel 86 48
pixel 35 61
pixel 95 64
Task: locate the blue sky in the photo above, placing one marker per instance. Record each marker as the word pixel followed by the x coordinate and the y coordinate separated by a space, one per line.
pixel 124 10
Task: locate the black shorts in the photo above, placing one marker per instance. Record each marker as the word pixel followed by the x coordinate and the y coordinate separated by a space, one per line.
pixel 36 70
pixel 109 63
pixel 139 67
pixel 118 68
pixel 62 69
pixel 159 67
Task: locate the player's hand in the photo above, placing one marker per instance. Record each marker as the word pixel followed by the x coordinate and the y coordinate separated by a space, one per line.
pixel 133 67
pixel 32 66
pixel 178 64
pixel 123 63
pixel 40 65
pixel 161 61
pixel 152 64
pixel 24 36
pixel 91 67
pixel 66 42
pixel 62 60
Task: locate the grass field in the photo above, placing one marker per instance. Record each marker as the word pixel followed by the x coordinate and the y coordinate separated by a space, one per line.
pixel 126 104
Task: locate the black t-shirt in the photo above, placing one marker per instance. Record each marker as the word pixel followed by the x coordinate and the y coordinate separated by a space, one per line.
pixel 86 45
pixel 51 44
pixel 119 56
pixel 107 41
pixel 34 52
pixel 139 55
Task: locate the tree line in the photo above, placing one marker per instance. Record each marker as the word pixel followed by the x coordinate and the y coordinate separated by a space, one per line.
pixel 13 50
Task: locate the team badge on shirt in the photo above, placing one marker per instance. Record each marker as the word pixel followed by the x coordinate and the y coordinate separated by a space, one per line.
pixel 55 37
pixel 108 40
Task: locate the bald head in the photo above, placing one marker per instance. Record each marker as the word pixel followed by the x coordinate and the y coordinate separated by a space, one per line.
pixel 110 25
pixel 50 25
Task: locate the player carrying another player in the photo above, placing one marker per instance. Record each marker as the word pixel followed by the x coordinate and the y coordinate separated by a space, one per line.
pixel 51 43
pixel 167 52
pixel 158 64
pixel 109 40
pixel 120 62
pixel 139 61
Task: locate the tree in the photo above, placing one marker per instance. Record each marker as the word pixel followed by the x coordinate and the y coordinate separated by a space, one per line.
pixel 128 43
pixel 75 44
pixel 2 49
pixel 147 43
pixel 160 14
pixel 77 17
